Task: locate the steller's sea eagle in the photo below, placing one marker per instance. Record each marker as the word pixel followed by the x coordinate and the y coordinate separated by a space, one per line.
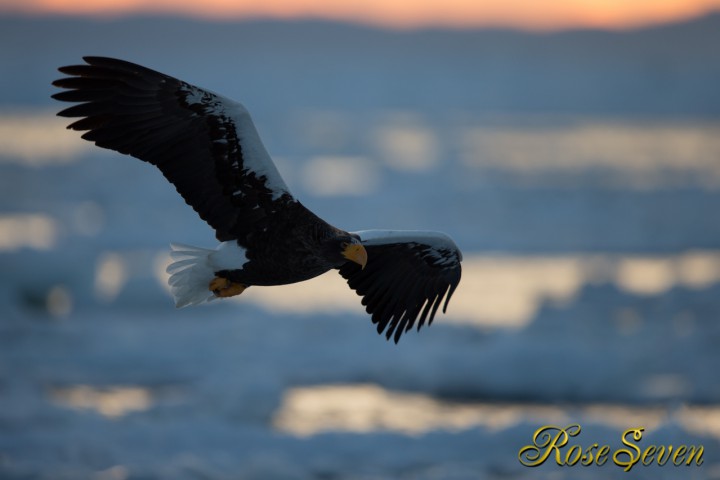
pixel 207 146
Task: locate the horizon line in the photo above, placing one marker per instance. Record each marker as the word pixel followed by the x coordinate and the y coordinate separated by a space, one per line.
pixel 367 21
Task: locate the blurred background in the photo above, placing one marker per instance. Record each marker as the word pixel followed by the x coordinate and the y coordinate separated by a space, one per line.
pixel 572 151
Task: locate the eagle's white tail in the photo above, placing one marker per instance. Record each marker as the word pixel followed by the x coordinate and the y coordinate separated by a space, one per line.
pixel 190 274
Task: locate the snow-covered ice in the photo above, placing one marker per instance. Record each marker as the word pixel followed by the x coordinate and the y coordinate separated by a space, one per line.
pixel 591 295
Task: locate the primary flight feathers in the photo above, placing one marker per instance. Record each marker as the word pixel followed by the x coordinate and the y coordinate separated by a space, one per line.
pixel 208 148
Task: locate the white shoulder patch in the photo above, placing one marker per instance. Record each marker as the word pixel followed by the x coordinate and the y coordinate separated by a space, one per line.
pixel 439 245
pixel 255 158
pixel 430 238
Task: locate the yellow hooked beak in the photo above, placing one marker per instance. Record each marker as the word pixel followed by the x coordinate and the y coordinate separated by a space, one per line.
pixel 356 253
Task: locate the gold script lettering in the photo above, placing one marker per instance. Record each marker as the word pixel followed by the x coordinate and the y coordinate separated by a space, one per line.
pixel 679 456
pixel 551 440
pixel 602 455
pixel 692 450
pixel 547 440
pixel 632 459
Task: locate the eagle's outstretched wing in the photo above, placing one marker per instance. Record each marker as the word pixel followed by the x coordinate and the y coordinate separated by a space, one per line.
pixel 206 145
pixel 408 275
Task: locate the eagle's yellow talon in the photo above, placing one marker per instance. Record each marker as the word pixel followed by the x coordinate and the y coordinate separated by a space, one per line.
pixel 219 284
pixel 222 287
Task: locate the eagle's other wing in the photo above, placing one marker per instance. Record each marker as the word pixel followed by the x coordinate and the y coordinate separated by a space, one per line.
pixel 408 275
pixel 204 144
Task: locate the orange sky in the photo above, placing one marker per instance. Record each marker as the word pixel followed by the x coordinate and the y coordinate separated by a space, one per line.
pixel 525 14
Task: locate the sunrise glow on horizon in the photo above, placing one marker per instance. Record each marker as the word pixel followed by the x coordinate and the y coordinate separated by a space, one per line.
pixel 522 14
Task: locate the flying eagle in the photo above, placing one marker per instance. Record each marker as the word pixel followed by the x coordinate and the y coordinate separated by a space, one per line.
pixel 207 146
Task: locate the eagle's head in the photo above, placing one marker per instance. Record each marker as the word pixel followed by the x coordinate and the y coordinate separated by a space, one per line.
pixel 338 249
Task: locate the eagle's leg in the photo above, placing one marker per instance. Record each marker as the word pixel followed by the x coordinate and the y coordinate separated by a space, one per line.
pixel 222 287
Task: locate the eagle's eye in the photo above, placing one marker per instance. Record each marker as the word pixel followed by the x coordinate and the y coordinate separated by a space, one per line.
pixel 344 245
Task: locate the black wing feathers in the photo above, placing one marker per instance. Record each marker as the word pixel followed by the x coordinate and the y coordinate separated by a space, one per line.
pixel 186 132
pixel 403 283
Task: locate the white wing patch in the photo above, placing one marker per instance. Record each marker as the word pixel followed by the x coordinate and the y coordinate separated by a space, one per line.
pixel 378 237
pixel 255 157
pixel 440 246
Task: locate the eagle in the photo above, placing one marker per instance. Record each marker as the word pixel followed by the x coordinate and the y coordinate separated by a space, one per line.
pixel 207 146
